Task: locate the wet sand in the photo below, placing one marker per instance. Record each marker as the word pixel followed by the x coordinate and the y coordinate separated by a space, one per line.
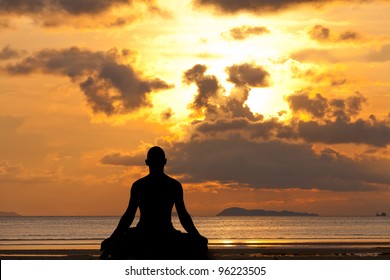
pixel 286 251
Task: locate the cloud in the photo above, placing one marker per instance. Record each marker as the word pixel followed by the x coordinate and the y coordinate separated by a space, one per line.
pixel 167 114
pixel 324 34
pixel 323 108
pixel 126 160
pixel 381 55
pixel 322 56
pixel 348 35
pixel 245 31
pixel 339 131
pixel 319 33
pixel 332 120
pixel 208 85
pixel 72 7
pixel 337 55
pixel 248 75
pixel 234 147
pixel 318 77
pixel 8 53
pixel 18 174
pixel 256 6
pixel 109 86
pixel 253 129
pixel 210 98
pixel 91 13
pixel 271 164
pixel 375 133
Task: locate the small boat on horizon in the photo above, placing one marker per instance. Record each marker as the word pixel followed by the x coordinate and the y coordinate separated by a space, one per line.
pixel 380 214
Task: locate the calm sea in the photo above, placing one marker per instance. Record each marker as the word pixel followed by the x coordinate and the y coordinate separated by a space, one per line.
pixel 88 232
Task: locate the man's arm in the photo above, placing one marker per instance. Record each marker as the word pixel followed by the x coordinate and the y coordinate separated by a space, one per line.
pixel 184 216
pixel 128 216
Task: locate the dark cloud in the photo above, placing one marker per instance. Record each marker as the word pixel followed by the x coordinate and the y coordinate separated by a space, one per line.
pixel 233 106
pixel 251 129
pixel 119 159
pixel 211 99
pixel 349 35
pixel 73 7
pixel 167 115
pixel 248 75
pixel 93 13
pixel 323 108
pixel 323 34
pixel 302 102
pixel 8 53
pixel 340 131
pixel 319 33
pixel 256 6
pixel 208 85
pixel 109 86
pixel 232 145
pixel 333 120
pixel 271 164
pixel 243 32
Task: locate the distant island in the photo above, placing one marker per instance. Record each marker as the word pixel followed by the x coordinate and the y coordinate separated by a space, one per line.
pixel 236 211
pixel 9 214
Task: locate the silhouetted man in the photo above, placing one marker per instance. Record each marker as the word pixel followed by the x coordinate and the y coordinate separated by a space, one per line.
pixel 154 236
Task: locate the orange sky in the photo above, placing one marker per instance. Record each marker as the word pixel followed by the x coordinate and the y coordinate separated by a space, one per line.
pixel 257 104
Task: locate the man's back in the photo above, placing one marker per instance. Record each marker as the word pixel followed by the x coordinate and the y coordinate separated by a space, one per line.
pixel 155 196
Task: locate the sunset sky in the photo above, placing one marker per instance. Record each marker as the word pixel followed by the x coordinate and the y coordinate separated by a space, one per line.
pixel 261 104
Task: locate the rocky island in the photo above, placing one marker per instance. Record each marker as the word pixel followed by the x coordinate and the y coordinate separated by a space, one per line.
pixel 8 214
pixel 236 211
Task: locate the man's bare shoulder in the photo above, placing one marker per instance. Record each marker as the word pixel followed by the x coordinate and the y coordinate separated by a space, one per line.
pixel 140 182
pixel 173 181
pixel 147 179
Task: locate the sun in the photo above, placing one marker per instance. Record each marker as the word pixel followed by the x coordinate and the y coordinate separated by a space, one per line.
pixel 268 102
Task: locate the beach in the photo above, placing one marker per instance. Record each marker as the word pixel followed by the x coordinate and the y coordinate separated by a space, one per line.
pixel 230 238
pixel 268 251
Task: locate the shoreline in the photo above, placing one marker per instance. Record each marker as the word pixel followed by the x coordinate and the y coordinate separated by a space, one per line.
pixel 378 250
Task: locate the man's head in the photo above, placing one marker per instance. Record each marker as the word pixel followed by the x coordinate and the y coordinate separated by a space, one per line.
pixel 156 158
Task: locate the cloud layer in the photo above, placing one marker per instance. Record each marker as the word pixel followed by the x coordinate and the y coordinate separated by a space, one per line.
pixel 255 6
pixel 109 86
pixel 272 164
pixel 234 146
pixel 233 6
pixel 51 13
pixel 72 7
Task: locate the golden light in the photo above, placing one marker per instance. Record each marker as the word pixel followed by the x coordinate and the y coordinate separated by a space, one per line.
pixel 267 102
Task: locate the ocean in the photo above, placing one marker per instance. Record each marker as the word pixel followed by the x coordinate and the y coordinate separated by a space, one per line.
pixel 88 232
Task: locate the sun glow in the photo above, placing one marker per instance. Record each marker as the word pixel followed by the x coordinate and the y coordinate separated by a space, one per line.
pixel 201 39
pixel 268 102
